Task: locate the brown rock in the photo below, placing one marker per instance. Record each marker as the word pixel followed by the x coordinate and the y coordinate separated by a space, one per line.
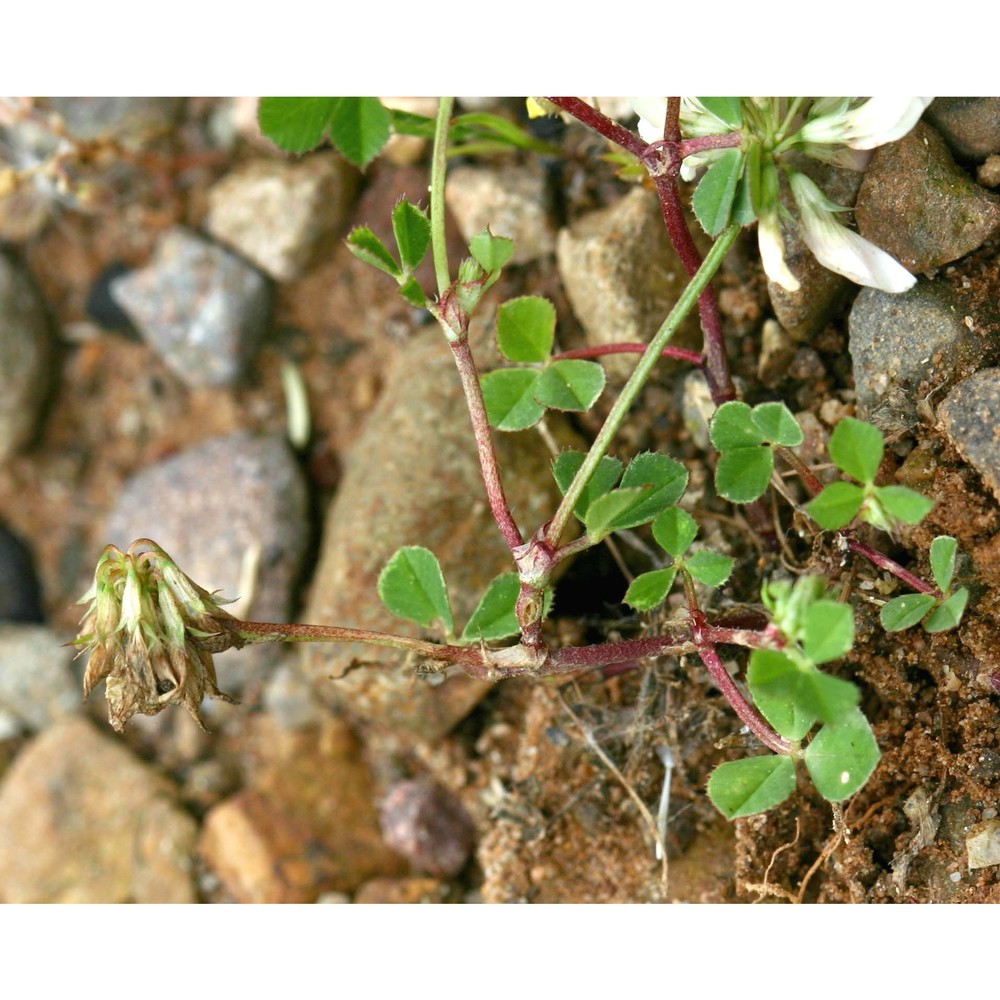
pixel 83 821
pixel 276 213
pixel 919 205
pixel 403 890
pixel 622 276
pixel 511 200
pixel 970 125
pixel 413 478
pixel 26 352
pixel 307 824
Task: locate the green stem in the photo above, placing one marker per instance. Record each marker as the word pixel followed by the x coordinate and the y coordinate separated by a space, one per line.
pixel 439 164
pixel 637 380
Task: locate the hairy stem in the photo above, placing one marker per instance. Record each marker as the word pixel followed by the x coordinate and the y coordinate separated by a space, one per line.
pixel 257 632
pixel 720 382
pixel 636 381
pixel 484 442
pixel 601 124
pixel 439 164
pixel 747 713
pixel 890 565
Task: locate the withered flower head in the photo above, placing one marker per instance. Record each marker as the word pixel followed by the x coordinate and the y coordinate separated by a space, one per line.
pixel 151 631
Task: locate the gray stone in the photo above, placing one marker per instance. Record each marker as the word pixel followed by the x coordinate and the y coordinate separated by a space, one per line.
pixel 26 357
pixel 906 346
pixel 805 312
pixel 132 119
pixel 276 213
pixel 919 205
pixel 971 418
pixel 512 201
pixel 413 478
pixel 622 276
pixel 970 125
pixel 201 308
pixel 233 513
pixel 983 845
pixel 37 683
pixel 83 821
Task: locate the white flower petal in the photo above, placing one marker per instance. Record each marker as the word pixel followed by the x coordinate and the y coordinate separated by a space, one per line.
pixel 652 112
pixel 878 121
pixel 772 252
pixel 842 250
pixel 883 119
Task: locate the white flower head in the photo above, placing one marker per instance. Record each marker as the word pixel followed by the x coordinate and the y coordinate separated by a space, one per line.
pixel 874 123
pixel 840 249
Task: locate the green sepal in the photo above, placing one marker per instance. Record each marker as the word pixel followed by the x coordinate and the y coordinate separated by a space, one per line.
pixel 648 590
pixel 842 756
pixel 411 586
pixel 492 252
pixel 752 785
pixel 509 396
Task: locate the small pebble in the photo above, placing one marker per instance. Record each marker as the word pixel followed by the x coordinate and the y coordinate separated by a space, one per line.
pixel 428 826
pixel 201 308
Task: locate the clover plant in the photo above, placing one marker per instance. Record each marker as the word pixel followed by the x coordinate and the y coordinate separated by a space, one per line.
pixel 804 716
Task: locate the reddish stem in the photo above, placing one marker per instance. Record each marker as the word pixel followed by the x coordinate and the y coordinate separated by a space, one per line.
pixel 748 715
pixel 484 443
pixel 682 354
pixel 884 562
pixel 664 170
pixel 688 147
pixel 601 124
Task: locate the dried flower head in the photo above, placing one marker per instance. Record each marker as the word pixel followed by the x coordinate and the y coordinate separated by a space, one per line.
pixel 151 631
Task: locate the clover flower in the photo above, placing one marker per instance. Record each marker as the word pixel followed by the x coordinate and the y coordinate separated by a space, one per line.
pixel 838 248
pixel 837 130
pixel 151 632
